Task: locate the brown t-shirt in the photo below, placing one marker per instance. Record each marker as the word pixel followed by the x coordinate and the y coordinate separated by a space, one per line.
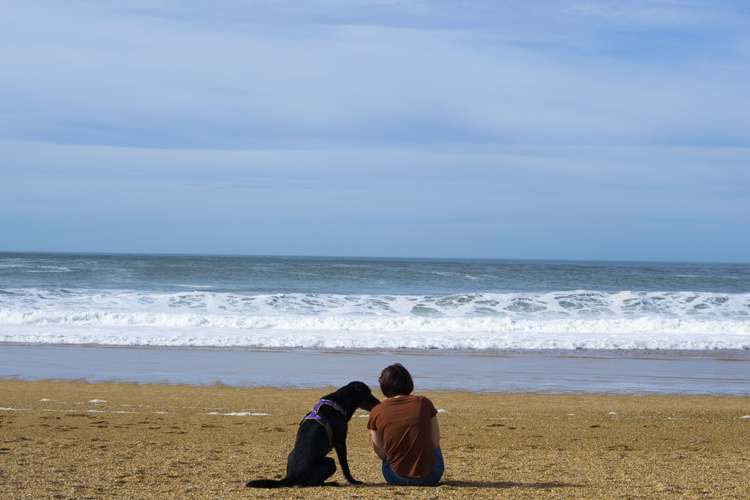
pixel 405 425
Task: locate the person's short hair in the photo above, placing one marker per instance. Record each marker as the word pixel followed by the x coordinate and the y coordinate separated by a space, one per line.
pixel 396 380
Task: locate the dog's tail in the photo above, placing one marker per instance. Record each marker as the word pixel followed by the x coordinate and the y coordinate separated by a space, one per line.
pixel 268 483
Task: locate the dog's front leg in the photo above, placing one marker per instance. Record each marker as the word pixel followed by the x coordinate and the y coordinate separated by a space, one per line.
pixel 341 453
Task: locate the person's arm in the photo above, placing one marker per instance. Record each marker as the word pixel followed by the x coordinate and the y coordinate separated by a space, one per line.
pixel 435 428
pixel 377 444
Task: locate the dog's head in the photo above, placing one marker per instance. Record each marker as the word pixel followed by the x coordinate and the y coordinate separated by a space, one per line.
pixel 362 396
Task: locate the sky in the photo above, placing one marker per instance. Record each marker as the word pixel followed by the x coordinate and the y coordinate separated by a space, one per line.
pixel 585 130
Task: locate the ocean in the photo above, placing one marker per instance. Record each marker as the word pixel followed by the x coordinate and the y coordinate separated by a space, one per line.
pixel 366 303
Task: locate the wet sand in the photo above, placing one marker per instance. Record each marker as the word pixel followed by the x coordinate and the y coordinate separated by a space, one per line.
pixel 714 372
pixel 102 440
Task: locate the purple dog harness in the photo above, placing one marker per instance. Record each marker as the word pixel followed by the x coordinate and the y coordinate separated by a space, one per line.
pixel 313 415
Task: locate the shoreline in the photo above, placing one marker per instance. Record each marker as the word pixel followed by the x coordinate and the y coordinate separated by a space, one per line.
pixel 104 440
pixel 541 372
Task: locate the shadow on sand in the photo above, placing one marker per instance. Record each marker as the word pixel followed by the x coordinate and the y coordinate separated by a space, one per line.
pixel 508 484
pixel 485 484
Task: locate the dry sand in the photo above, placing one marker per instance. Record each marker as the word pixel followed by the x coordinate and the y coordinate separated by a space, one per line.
pixel 82 440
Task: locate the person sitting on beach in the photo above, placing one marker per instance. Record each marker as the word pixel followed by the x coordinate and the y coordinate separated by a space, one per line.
pixel 405 432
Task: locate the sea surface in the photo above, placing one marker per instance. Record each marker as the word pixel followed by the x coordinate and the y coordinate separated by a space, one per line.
pixel 368 303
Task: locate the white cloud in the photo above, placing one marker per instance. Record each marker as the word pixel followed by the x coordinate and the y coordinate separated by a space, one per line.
pixel 100 78
pixel 491 123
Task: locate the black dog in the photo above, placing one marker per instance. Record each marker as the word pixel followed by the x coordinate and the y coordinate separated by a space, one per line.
pixel 321 430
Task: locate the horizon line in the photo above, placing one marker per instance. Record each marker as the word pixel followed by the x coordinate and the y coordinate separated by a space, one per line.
pixel 368 257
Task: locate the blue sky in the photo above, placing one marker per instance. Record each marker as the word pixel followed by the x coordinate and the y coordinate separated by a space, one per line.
pixel 561 130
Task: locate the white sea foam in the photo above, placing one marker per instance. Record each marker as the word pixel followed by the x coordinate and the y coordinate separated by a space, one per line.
pixel 66 306
pixel 221 337
pixel 555 320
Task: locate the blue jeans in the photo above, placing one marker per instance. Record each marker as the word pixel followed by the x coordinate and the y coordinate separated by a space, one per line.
pixel 432 480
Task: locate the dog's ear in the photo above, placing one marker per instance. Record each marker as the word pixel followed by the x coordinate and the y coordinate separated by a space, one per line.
pixel 358 386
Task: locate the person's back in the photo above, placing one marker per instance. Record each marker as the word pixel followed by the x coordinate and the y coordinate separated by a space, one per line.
pixel 405 432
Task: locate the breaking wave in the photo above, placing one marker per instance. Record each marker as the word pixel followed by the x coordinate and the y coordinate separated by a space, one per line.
pixel 559 320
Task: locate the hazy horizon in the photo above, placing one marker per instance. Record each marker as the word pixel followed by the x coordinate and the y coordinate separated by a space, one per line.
pixel 366 257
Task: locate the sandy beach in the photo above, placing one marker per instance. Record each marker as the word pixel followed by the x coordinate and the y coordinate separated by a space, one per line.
pixel 84 440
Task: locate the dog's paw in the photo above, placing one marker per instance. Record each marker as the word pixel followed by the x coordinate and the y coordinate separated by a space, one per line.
pixel 354 481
